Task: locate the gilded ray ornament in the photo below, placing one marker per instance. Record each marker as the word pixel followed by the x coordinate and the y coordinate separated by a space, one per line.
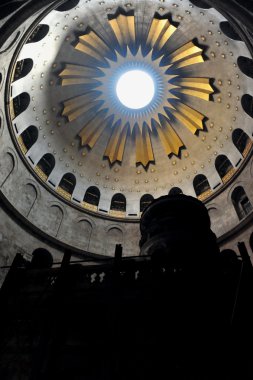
pixel 126 52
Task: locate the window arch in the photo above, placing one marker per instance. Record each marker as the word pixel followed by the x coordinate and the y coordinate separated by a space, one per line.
pixel 39 33
pixel 229 31
pixel 67 5
pixel 46 164
pixel 175 191
pixel 23 68
pixel 29 137
pixel 145 201
pixel 201 185
pixel 20 104
pixel 246 65
pixel 67 185
pixel 92 196
pixel 242 141
pixel 241 202
pixel 224 167
pixel 247 104
pixel 201 4
pixel 118 203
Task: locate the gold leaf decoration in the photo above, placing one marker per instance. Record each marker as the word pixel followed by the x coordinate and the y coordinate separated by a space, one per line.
pixel 159 33
pixel 128 50
pixel 170 140
pixel 144 150
pixel 116 145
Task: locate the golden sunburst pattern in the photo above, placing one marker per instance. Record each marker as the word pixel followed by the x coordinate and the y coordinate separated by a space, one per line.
pixel 98 107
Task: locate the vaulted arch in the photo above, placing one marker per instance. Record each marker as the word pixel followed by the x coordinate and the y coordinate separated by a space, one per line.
pixel 242 141
pixel 114 236
pixel 39 33
pixel 175 191
pixel 145 201
pixel 118 205
pixel 28 138
pixel 19 104
pixel 224 168
pixel 241 202
pixel 91 198
pixel 23 68
pixel 45 166
pixel 202 187
pixel 92 195
pixel 67 185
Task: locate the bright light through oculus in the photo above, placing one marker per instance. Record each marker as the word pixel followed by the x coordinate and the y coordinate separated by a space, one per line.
pixel 135 89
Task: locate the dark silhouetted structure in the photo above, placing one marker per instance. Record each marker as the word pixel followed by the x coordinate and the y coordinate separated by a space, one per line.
pixel 180 310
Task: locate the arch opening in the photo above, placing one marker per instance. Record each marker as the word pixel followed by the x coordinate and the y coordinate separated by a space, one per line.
pixel 246 66
pixel 29 137
pixel 67 185
pixel 201 4
pixel 145 201
pixel 20 104
pixel 118 203
pixel 175 191
pixel 38 34
pixel 242 141
pixel 224 167
pixel 46 164
pixel 23 68
pixel 67 5
pixel 201 185
pixel 247 104
pixel 241 202
pixel 229 31
pixel 92 196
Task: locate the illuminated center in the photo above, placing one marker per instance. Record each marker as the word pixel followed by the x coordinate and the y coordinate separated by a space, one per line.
pixel 135 89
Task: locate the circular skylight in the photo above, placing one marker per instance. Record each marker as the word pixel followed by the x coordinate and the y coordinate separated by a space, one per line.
pixel 135 89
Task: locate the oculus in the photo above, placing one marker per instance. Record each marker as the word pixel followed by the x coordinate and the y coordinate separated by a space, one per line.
pixel 135 89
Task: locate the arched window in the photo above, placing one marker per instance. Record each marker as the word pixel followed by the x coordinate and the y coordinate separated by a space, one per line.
pixel 23 68
pixel 67 5
pixel 201 4
pixel 145 201
pixel 67 184
pixel 247 104
pixel 242 141
pixel 241 202
pixel 46 164
pixel 246 65
pixel 223 167
pixel 39 33
pixel 29 136
pixel 118 203
pixel 201 185
pixel 92 196
pixel 175 191
pixel 229 31
pixel 20 104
